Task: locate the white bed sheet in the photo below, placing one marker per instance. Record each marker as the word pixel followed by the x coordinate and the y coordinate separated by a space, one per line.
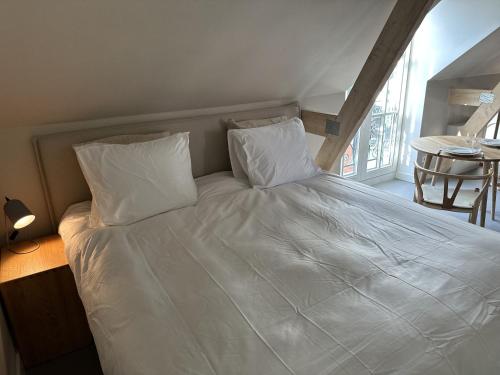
pixel 324 276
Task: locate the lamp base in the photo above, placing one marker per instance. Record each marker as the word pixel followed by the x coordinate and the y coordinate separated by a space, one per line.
pixel 24 247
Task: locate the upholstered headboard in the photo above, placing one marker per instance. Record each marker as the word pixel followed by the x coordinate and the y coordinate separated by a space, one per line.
pixel 63 181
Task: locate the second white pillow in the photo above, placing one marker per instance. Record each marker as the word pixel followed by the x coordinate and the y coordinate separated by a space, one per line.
pixel 272 155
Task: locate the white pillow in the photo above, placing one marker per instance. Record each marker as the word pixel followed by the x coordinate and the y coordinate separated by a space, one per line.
pixel 134 181
pixel 271 155
pixel 122 139
pixel 234 150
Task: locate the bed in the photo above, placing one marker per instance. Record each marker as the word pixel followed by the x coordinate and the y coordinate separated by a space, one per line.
pixel 320 276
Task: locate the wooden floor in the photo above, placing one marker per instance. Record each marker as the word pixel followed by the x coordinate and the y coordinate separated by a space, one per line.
pixel 81 362
pixel 406 189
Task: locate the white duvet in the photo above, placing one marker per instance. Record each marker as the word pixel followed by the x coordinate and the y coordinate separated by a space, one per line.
pixel 323 276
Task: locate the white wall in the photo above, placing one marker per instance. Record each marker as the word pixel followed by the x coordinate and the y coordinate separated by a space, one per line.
pixel 324 103
pixel 75 60
pixel 449 30
pixel 436 110
pixel 482 59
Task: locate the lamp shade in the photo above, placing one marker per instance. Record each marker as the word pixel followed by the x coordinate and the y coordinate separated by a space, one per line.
pixel 19 215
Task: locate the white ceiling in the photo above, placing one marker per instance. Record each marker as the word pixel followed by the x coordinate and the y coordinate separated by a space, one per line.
pixel 71 60
pixel 482 59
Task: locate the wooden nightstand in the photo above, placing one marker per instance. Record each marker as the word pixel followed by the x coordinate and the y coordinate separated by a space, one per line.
pixel 41 303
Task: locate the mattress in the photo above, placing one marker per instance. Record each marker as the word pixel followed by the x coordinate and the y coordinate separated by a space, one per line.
pixel 321 276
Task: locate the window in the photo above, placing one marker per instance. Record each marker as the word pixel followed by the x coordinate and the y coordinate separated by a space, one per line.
pixel 349 160
pixel 374 149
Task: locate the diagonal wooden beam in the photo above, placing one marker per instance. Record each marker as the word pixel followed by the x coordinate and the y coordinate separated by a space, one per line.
pixel 483 114
pixel 397 33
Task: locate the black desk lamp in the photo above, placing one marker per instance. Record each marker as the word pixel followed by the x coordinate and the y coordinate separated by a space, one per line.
pixel 20 216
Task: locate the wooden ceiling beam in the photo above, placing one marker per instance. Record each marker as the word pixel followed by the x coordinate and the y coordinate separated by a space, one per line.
pixel 483 114
pixel 397 33
pixel 317 122
pixel 470 97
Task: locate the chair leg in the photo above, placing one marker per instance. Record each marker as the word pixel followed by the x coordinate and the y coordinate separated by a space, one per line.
pixel 494 185
pixel 484 201
pixel 473 216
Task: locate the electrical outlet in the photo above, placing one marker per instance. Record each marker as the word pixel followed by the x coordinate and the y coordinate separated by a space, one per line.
pixel 332 127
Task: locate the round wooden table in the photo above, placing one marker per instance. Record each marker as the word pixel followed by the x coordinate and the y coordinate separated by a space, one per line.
pixel 433 147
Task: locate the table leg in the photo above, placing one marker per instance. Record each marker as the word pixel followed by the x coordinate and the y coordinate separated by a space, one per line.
pixel 439 160
pixel 497 126
pixel 484 202
pixel 494 185
pixel 427 163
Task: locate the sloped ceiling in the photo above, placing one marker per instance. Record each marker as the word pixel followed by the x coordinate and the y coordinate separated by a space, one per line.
pixel 482 59
pixel 72 60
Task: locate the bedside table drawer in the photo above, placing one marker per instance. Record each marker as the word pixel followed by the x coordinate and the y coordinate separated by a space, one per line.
pixel 45 315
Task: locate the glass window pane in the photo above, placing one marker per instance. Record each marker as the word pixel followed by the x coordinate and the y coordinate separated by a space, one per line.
pixel 379 130
pixel 350 157
pixel 374 141
pixel 389 139
pixel 394 86
pixel 379 105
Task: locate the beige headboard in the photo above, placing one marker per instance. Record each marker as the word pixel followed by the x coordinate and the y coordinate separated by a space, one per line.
pixel 63 181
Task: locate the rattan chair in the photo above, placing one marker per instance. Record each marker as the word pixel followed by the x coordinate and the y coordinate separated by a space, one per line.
pixel 461 200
